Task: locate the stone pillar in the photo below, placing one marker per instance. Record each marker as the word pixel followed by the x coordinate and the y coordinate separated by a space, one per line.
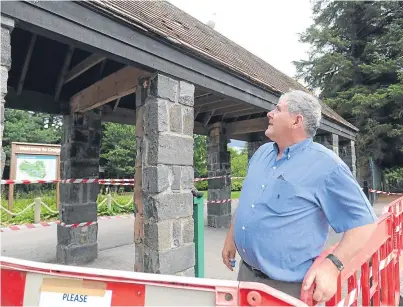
pixel 79 159
pixel 7 26
pixel 167 175
pixel 335 140
pixel 347 154
pixel 329 140
pixel 253 146
pixel 218 164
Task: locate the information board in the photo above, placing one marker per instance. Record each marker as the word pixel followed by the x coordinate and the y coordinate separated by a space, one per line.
pixel 30 161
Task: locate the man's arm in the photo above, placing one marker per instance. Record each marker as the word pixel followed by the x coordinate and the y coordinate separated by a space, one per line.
pixel 352 241
pixel 229 249
pixel 349 212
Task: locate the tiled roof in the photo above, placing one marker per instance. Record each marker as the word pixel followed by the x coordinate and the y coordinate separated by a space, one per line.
pixel 164 19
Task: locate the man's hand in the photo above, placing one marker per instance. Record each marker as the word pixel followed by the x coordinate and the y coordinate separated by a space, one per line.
pixel 228 252
pixel 325 278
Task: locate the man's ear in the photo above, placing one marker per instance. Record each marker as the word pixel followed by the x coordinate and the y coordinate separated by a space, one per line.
pixel 298 122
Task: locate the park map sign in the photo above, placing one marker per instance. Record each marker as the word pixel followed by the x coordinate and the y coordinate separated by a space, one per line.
pixel 34 162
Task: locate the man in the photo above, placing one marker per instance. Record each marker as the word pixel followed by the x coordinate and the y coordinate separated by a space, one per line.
pixel 294 189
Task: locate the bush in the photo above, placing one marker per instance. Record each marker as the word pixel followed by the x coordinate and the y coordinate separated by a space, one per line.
pixel 236 185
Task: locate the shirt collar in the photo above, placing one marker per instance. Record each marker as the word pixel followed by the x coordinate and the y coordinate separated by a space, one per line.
pixel 301 145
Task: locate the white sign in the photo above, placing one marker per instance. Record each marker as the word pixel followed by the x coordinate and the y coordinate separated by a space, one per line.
pixel 35 167
pixel 53 299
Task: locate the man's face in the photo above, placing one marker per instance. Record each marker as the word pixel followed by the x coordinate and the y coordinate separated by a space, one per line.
pixel 280 122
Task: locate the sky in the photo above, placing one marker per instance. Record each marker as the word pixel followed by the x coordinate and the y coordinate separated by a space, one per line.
pixel 267 28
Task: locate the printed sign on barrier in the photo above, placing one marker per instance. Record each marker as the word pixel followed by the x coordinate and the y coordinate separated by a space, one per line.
pixel 68 292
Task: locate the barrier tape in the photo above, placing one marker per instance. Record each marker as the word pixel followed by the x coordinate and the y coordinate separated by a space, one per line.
pixel 48 224
pixel 84 180
pixel 98 180
pixel 383 192
pixel 216 177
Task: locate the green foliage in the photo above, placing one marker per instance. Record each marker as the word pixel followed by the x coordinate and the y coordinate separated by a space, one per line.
pixel 394 179
pixel 118 149
pixel 356 61
pixel 30 127
pixel 200 155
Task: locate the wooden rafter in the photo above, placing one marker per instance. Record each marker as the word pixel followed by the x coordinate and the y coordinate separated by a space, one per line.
pixel 83 66
pixel 119 84
pixel 26 64
pixel 63 72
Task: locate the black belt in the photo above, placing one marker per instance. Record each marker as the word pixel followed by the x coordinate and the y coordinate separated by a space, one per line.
pixel 256 271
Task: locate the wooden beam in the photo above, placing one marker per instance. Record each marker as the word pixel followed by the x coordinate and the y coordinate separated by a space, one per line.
pixel 199 128
pixel 63 72
pixel 26 64
pixel 118 84
pixel 218 106
pixel 248 126
pixel 83 66
pixel 44 103
pixel 119 115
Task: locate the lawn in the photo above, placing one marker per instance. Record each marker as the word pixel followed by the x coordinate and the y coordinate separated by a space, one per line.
pixel 50 200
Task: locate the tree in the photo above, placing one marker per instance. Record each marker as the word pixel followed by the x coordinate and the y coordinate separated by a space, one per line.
pixel 30 127
pixel 356 62
pixel 200 155
pixel 118 150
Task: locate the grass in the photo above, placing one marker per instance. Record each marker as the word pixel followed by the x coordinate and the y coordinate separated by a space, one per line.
pixel 49 199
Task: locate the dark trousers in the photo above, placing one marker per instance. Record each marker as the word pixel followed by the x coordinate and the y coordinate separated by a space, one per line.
pixel 246 273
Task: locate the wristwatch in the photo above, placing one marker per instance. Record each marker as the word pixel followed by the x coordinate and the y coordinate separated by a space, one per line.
pixel 336 261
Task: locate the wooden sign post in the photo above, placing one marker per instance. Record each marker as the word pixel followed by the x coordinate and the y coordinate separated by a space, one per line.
pixel 31 161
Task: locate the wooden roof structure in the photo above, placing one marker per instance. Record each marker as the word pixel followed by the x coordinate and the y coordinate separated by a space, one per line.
pixel 68 51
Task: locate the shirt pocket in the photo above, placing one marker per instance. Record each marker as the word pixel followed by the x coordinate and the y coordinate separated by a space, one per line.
pixel 279 196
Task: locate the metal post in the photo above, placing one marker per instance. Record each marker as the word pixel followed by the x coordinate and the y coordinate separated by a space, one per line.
pixel 109 201
pixel 37 210
pixel 198 217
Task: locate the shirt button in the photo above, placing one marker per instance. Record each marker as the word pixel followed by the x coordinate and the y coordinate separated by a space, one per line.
pixel 262 186
pixel 274 167
pixel 253 206
pixel 243 227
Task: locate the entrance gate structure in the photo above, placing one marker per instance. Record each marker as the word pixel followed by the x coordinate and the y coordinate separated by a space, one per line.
pixel 144 63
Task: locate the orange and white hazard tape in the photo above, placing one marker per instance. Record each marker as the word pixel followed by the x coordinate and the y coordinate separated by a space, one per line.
pixel 48 224
pixel 383 192
pixel 223 201
pixel 216 177
pixel 84 180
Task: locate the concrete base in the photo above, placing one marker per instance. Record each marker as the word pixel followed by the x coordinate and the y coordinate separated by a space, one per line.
pixel 219 221
pixel 76 254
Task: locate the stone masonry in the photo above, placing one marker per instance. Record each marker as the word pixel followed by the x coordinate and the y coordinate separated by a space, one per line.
pixel 329 140
pixel 347 154
pixel 79 159
pixel 167 170
pixel 7 26
pixel 253 146
pixel 218 164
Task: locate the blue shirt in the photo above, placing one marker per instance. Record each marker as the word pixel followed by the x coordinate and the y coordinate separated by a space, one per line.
pixel 286 207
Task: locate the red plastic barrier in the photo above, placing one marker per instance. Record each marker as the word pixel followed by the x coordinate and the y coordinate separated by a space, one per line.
pixel 378 264
pixel 27 283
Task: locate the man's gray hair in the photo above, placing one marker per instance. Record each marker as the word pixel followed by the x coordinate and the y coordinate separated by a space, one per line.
pixel 308 106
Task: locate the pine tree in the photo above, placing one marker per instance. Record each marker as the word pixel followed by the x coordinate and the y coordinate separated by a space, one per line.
pixel 356 62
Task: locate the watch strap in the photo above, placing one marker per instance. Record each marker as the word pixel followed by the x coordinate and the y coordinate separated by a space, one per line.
pixel 336 261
